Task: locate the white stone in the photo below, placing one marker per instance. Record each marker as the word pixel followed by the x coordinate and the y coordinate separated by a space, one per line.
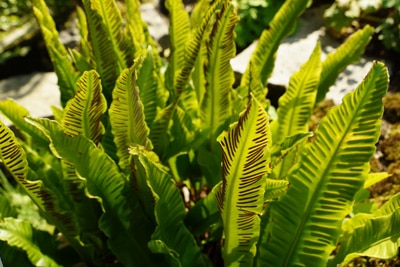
pixel 36 92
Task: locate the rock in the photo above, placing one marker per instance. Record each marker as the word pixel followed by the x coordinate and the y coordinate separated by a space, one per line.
pixel 158 24
pixel 296 49
pixel 36 92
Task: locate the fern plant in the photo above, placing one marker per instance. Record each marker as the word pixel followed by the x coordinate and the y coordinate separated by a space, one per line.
pixel 105 174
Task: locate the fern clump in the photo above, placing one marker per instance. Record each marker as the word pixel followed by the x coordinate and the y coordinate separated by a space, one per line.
pixel 118 173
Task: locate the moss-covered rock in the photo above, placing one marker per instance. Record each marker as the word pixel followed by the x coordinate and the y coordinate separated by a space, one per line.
pixel 392 107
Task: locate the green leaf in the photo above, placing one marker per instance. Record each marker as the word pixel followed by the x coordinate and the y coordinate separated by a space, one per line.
pixel 16 114
pixel 379 233
pixel 149 81
pixel 296 106
pixel 275 189
pixel 103 48
pixel 113 25
pixel 253 86
pixel 13 256
pixel 83 112
pixel 374 178
pixel 303 226
pixel 245 166
pixel 137 28
pixel 281 26
pixel 198 76
pixel 183 135
pixel 14 159
pixel 66 74
pixel 204 215
pixel 349 52
pixel 123 220
pixel 20 234
pixel 179 30
pixel 216 106
pixel 127 116
pixel 169 212
pixel 159 130
pixel 85 47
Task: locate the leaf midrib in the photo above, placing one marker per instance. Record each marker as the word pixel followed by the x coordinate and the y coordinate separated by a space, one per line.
pixel 316 192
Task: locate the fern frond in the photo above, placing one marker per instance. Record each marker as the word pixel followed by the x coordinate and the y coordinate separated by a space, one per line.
pixel 83 113
pixel 179 30
pixel 296 105
pixel 85 47
pixel 105 59
pixel 113 25
pixel 127 116
pixel 150 83
pixel 216 106
pixel 275 188
pixel 171 235
pixel 281 25
pixel 16 114
pixel 303 227
pixel 14 159
pixel 347 53
pixel 245 166
pixel 20 234
pixel 378 240
pixel 159 129
pixel 66 74
pixel 105 182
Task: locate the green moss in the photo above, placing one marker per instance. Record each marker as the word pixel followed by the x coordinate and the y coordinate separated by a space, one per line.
pixel 319 112
pixel 390 146
pixel 391 103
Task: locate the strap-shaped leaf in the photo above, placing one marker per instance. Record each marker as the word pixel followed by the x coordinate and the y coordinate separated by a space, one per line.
pixel 83 113
pixel 14 159
pixel 169 212
pixel 275 188
pixel 16 114
pixel 347 53
pixel 216 105
pixel 104 51
pixel 379 232
pixel 159 129
pixel 198 77
pixel 281 26
pixel 245 166
pixel 21 234
pixel 12 256
pixel 127 117
pixel 66 74
pixel 183 128
pixel 304 225
pixel 296 105
pixel 149 81
pixel 375 177
pixel 179 29
pixel 113 25
pixel 192 50
pixel 46 169
pixel 123 220
pixel 85 47
pixel 135 24
pixel 253 86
